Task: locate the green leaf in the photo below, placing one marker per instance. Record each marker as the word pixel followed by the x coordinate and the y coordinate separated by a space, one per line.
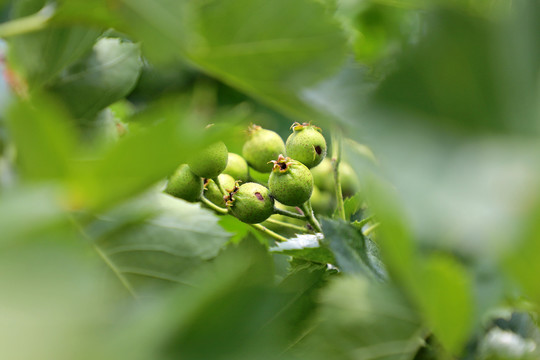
pixel 103 77
pixel 157 240
pixel 28 211
pixel 461 75
pixel 236 311
pixel 352 205
pixel 44 137
pixel 57 47
pixel 446 300
pixel 360 319
pixel 160 139
pixel 354 253
pixel 257 52
pixel 520 263
pixel 251 51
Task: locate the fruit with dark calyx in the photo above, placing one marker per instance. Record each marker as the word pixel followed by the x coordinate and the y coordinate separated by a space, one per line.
pixel 250 203
pixel 212 191
pixel 306 144
pixel 290 182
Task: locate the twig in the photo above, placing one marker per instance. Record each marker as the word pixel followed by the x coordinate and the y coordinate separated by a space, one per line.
pixel 336 160
pixel 220 187
pixel 213 206
pixel 308 211
pixel 269 232
pixel 289 214
pixel 288 225
pixel 27 24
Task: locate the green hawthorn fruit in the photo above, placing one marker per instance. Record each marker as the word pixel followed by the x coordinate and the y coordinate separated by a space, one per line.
pixel 323 175
pixel 350 184
pixel 210 161
pixel 212 192
pixel 290 182
pixel 321 201
pixel 250 203
pixel 306 144
pixel 323 178
pixel 184 184
pixel 237 167
pixel 261 147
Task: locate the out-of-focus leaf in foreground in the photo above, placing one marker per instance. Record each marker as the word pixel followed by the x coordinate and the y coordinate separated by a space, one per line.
pixel 58 47
pixel 236 312
pixel 43 133
pixel 156 240
pixel 27 211
pixel 361 319
pixel 56 303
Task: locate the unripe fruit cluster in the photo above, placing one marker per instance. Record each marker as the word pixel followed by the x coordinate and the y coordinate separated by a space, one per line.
pixel 228 183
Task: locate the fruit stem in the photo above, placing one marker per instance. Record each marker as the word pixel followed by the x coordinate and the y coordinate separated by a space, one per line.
pixel 221 188
pixel 336 160
pixel 289 214
pixel 27 24
pixel 306 208
pixel 370 229
pixel 288 225
pixel 269 232
pixel 213 206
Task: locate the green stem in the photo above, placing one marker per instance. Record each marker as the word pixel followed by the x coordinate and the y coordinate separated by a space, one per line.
pixel 336 160
pixel 220 186
pixel 213 206
pixel 288 225
pixel 289 214
pixel 27 24
pixel 306 208
pixel 370 229
pixel 269 232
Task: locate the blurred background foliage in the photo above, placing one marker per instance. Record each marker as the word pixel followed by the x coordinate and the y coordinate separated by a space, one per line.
pixel 100 100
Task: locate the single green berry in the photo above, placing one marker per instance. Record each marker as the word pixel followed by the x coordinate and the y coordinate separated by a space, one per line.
pixel 250 203
pixel 184 184
pixel 321 201
pixel 237 167
pixel 350 184
pixel 212 191
pixel 290 182
pixel 323 175
pixel 306 144
pixel 261 147
pixel 211 161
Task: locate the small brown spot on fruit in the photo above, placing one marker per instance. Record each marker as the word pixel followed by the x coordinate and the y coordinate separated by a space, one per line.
pixel 259 196
pixel 318 150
